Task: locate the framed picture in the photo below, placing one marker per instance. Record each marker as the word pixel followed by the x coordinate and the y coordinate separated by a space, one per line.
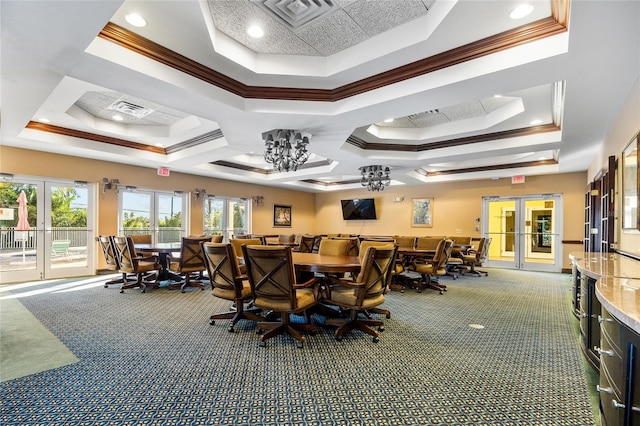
pixel 281 215
pixel 631 185
pixel 422 212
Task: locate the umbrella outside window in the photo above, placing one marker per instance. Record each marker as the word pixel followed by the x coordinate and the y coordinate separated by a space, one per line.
pixel 22 228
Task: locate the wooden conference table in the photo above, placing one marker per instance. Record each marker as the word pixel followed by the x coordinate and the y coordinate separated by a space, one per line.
pixel 164 251
pixel 314 262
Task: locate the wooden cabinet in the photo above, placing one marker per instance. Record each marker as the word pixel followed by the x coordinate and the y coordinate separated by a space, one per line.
pixel 590 311
pixel 575 289
pixel 619 385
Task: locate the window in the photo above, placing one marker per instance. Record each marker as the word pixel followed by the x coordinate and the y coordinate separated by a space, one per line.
pixel 226 216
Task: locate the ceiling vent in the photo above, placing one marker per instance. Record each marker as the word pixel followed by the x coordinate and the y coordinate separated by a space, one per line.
pixel 298 13
pixel 130 109
pixel 422 114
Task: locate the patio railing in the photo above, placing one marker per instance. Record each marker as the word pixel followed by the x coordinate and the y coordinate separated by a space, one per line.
pixel 8 241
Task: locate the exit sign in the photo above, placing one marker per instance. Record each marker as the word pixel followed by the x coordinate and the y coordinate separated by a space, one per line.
pixel 163 171
pixel 517 179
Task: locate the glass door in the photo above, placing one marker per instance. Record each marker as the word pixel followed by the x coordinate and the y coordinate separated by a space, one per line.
pixel 226 216
pixel 19 259
pixel 69 231
pixel 51 236
pixel 525 232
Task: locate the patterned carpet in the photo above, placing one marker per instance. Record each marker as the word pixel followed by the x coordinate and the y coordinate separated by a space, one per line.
pixel 153 359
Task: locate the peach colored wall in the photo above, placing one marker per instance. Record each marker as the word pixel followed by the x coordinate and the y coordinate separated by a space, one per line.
pixel 455 206
pixel 40 164
pixel 618 136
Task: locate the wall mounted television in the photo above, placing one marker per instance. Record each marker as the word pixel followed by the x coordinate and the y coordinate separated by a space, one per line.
pixel 359 209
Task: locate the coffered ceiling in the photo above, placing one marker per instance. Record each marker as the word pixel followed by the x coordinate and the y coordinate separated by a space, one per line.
pixel 473 93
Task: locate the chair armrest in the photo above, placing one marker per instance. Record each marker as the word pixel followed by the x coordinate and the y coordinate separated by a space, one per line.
pixel 310 283
pixel 348 283
pixel 153 259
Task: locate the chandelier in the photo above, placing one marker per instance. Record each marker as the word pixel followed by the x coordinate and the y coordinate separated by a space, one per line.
pixel 375 178
pixel 285 149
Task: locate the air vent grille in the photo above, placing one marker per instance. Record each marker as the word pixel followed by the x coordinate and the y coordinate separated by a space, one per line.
pixel 130 109
pixel 298 13
pixel 422 114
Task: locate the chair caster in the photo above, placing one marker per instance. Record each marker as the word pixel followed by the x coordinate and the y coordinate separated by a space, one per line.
pixel 182 291
pixel 376 339
pixel 121 291
pixel 263 344
pixel 381 328
pixel 388 316
pixel 300 345
pixel 339 337
pixel 441 292
pixel 212 322
pixel 143 291
pixel 230 329
pixel 106 286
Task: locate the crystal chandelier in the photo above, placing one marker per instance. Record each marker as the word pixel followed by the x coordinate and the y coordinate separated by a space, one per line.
pixel 285 149
pixel 375 178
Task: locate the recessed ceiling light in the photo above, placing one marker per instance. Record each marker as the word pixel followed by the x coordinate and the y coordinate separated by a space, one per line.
pixel 521 11
pixel 44 120
pixel 159 145
pixel 535 122
pixel 117 117
pixel 136 20
pixel 255 31
pixel 388 120
pixel 497 96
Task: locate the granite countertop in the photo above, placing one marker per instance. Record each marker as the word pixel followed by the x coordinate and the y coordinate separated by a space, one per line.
pixel 617 283
pixel 621 297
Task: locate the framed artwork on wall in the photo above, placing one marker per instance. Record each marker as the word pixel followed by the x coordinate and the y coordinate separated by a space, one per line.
pixel 422 212
pixel 631 185
pixel 281 215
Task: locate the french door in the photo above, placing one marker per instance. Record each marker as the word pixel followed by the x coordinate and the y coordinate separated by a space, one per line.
pixel 525 232
pixel 163 215
pixel 59 238
pixel 226 216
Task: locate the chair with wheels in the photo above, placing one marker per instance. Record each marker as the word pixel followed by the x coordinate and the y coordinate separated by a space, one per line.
pixel 475 258
pixel 111 259
pixel 389 272
pixel 237 244
pixel 402 261
pixel 363 294
pixel 306 244
pixel 190 262
pixel 226 283
pixel 271 274
pixel 133 263
pixel 436 267
pixel 141 239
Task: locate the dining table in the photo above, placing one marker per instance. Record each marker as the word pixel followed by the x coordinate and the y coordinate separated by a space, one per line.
pixel 322 263
pixel 163 250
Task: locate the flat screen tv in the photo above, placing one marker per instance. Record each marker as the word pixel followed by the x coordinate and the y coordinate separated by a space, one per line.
pixel 359 209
